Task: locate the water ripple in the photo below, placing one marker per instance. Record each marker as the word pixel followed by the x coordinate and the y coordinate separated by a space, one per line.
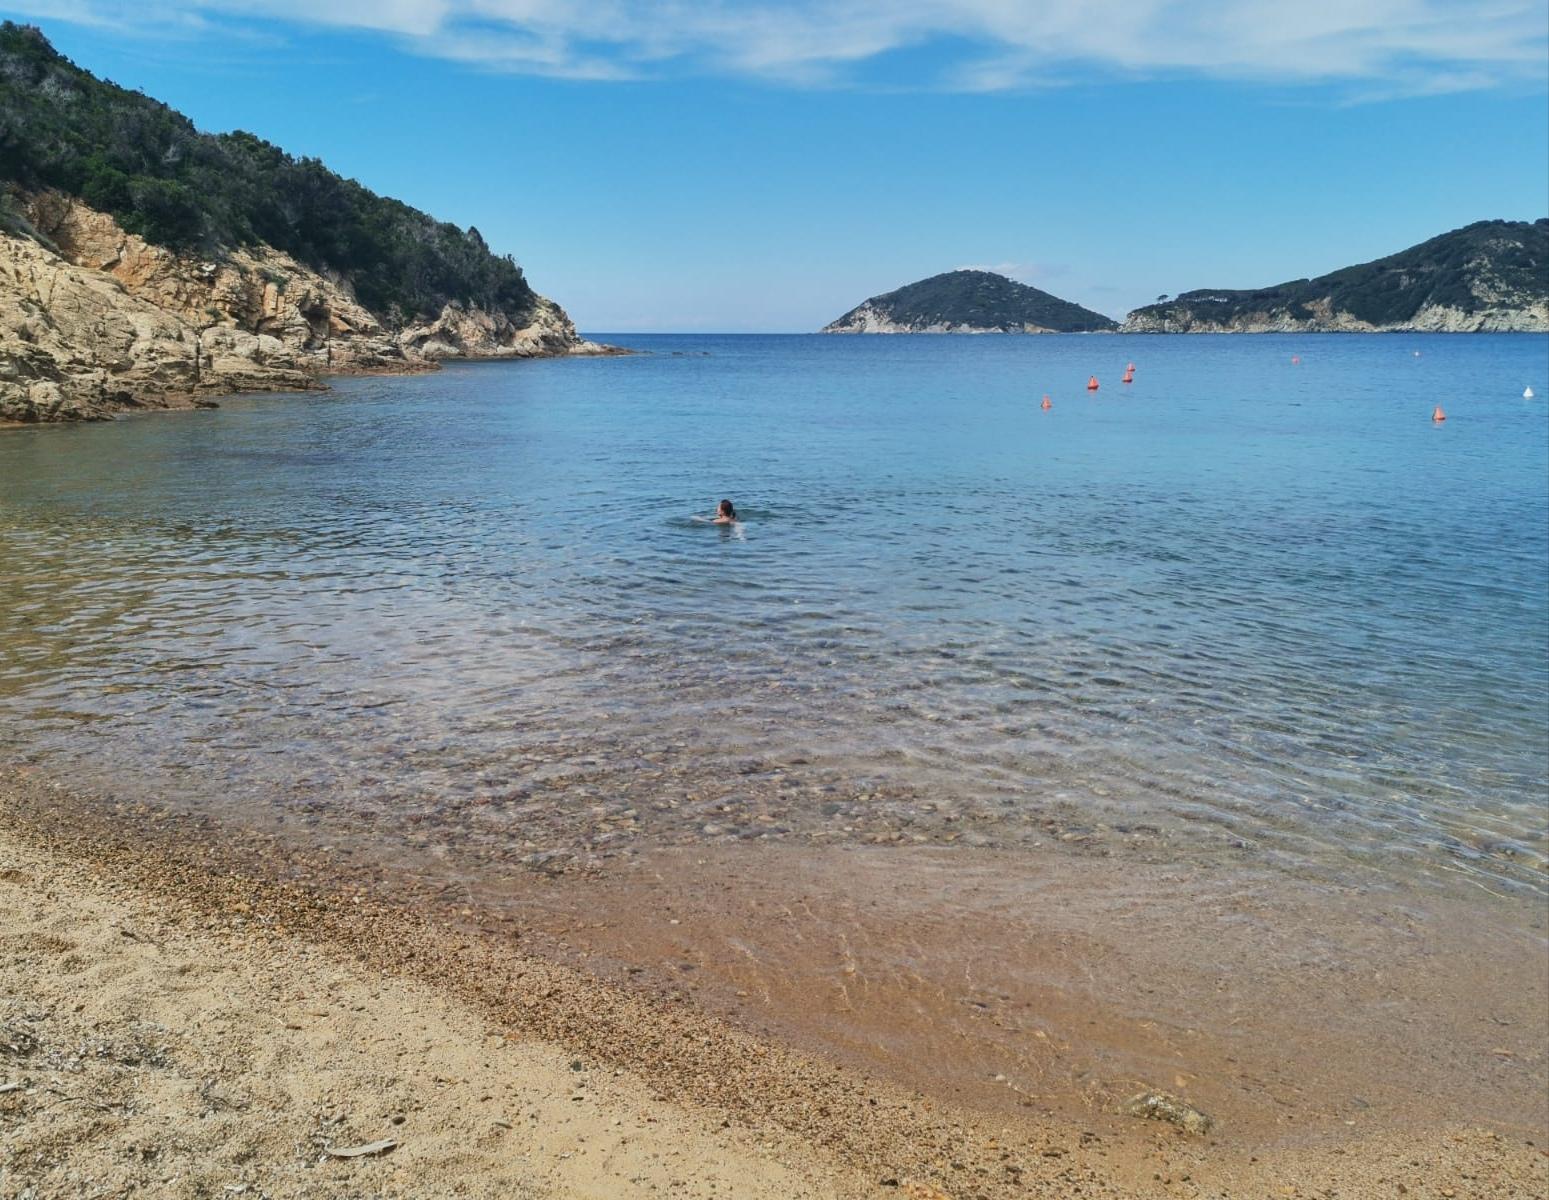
pixel 1252 609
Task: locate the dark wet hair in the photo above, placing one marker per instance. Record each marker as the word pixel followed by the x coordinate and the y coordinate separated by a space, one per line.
pixel 727 509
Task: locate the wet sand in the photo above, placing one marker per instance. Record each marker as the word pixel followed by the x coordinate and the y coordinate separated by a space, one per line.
pixel 1294 1011
pixel 833 1070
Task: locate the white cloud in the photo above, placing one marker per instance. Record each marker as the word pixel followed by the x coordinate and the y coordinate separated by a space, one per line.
pixel 1373 47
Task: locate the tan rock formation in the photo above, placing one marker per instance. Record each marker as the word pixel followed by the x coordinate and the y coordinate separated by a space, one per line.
pixel 75 344
pixel 1508 317
pixel 475 333
pixel 94 319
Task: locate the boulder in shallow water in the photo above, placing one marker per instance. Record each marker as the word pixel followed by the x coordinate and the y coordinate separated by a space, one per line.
pixel 1161 1106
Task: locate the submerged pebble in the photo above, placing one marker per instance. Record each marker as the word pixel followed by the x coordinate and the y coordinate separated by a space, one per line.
pixel 1163 1106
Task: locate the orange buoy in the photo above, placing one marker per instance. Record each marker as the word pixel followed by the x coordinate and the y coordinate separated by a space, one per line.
pixel 1047 403
pixel 1129 377
pixel 1295 359
pixel 1130 367
pixel 1438 415
pixel 1091 384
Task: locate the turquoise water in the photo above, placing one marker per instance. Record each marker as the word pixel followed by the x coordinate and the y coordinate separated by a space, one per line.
pixel 1239 609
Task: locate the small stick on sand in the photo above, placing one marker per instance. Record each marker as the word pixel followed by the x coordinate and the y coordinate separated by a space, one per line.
pixel 360 1151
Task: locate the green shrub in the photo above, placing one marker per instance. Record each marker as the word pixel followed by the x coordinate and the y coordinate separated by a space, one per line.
pixel 126 154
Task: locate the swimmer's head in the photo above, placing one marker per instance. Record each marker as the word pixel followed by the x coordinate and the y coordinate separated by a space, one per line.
pixel 726 510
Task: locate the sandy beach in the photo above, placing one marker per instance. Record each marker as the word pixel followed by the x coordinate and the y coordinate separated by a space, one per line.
pixel 175 1027
pixel 148 1049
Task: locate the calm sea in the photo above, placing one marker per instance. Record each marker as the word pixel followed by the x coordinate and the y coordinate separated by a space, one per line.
pixel 1244 607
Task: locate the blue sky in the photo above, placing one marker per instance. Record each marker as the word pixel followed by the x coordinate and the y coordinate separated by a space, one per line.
pixel 722 166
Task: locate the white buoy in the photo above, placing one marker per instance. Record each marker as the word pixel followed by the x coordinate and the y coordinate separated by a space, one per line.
pixel 1527 393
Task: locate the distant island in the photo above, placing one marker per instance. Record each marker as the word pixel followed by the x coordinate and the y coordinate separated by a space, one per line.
pixel 969 301
pixel 1489 277
pixel 146 264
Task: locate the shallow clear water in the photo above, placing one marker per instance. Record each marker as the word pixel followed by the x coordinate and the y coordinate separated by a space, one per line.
pixel 1240 608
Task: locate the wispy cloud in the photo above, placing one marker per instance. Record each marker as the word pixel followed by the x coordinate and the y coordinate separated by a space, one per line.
pixel 1025 271
pixel 1366 48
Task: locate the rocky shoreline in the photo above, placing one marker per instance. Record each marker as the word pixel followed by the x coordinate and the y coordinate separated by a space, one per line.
pixel 96 321
pixel 1533 318
pixel 868 318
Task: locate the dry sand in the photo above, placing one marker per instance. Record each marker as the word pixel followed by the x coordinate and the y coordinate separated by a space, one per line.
pixel 181 1030
pixel 148 1057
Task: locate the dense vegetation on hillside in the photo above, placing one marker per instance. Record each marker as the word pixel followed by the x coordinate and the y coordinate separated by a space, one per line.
pixel 980 300
pixel 1501 262
pixel 123 153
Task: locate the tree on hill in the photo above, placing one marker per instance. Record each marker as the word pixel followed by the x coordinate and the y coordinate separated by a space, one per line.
pixel 123 153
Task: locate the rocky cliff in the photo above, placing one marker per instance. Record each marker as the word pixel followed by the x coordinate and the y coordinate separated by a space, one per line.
pixel 969 301
pixel 1489 277
pixel 144 262
pixel 94 320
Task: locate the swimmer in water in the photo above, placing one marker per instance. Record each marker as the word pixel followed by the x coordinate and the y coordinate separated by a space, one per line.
pixel 725 514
